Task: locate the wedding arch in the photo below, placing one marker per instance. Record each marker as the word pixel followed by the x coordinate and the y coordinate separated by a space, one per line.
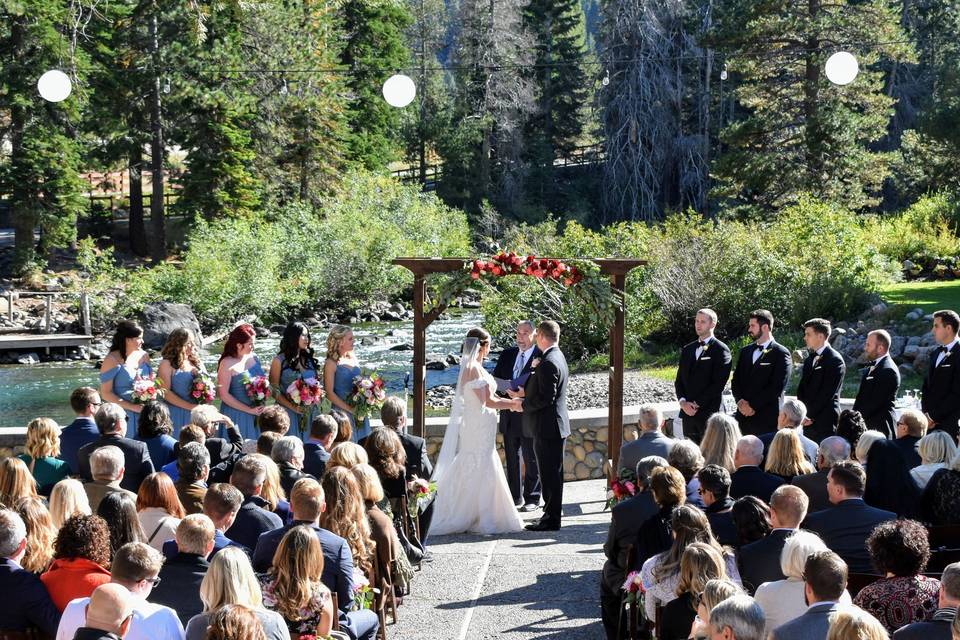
pixel 573 273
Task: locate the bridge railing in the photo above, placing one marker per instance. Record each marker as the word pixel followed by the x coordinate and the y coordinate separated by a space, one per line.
pixel 85 321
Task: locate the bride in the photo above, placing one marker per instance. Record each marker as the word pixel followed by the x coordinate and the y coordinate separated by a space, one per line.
pixel 472 491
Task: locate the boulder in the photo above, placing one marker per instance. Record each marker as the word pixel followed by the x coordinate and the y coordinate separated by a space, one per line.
pixel 403 346
pixel 391 316
pixel 436 363
pixel 367 341
pixel 897 344
pixel 161 318
pixel 28 358
pixel 906 370
pixel 262 332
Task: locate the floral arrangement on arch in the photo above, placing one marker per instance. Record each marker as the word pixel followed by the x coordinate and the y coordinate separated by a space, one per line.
pixel 506 264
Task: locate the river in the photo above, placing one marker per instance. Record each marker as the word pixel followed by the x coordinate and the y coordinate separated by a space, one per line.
pixel 44 389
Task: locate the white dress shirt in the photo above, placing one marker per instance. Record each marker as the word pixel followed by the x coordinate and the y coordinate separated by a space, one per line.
pixel 523 357
pixel 949 348
pixel 150 621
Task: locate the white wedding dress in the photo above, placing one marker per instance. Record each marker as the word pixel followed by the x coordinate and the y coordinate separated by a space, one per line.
pixel 472 491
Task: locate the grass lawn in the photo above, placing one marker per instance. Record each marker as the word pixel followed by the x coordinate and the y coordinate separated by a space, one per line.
pixel 929 296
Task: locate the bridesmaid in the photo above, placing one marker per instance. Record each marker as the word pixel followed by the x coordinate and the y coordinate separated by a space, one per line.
pixel 339 370
pixel 121 366
pixel 295 360
pixel 238 358
pixel 181 361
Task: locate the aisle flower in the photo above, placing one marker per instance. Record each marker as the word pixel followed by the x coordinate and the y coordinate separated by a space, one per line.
pixel 257 388
pixel 368 395
pixel 305 392
pixel 633 586
pixel 146 388
pixel 623 487
pixel 419 494
pixel 362 591
pixel 202 389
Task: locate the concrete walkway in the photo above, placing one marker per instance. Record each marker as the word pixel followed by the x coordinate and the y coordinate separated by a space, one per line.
pixel 515 586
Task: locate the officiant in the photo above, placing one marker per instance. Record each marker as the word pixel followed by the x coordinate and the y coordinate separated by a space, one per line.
pixel 513 368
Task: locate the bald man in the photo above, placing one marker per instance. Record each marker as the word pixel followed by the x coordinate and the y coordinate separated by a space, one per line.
pixel 749 479
pixel 109 614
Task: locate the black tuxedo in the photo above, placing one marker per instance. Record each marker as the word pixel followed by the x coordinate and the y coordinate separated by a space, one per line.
pixel 941 391
pixel 136 460
pixel 626 519
pixel 762 384
pixel 759 561
pixel 702 380
pixel 877 394
pixel 545 419
pixel 819 391
pixel 845 528
pixel 753 481
pixel 515 443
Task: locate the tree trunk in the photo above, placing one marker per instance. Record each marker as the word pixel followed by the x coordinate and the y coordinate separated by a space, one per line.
pixel 156 146
pixel 138 232
pixel 421 137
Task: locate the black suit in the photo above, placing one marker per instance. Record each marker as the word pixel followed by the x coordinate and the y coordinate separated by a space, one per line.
pixel 527 489
pixel 545 419
pixel 937 628
pixel 941 391
pixel 819 391
pixel 762 384
pixel 315 459
pixel 759 561
pixel 136 460
pixel 877 394
pixel 253 519
pixel 815 486
pixel 845 528
pixel 702 380
pixel 753 481
pixel 179 586
pixel 26 604
pixel 289 476
pixel 625 521
pixel 908 447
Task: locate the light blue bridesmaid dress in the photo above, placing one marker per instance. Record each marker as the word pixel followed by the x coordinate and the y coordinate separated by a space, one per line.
pixel 246 422
pixel 343 387
pixel 287 376
pixel 123 377
pixel 181 383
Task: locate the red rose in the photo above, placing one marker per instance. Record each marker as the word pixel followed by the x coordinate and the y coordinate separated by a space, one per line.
pixel 531 259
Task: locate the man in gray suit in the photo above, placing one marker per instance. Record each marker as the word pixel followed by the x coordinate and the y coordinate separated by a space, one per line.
pixel 651 441
pixel 826 579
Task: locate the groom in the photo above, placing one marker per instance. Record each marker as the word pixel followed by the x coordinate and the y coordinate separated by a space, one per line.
pixel 545 420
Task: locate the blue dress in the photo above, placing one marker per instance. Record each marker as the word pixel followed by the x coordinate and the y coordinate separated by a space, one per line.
pixel 181 384
pixel 246 422
pixel 287 376
pixel 343 387
pixel 123 378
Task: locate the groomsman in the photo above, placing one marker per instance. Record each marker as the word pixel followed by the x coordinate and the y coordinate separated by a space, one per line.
pixel 820 382
pixel 941 387
pixel 878 387
pixel 703 372
pixel 760 378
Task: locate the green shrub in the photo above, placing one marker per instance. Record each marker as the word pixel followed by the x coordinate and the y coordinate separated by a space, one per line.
pixel 928 227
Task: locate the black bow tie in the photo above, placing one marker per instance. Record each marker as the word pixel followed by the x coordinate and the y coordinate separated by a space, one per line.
pixel 701 343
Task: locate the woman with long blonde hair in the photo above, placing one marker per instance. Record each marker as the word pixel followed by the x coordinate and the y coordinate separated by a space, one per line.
pixel 273 491
pixel 68 499
pixel 339 369
pixel 181 362
pixel 720 441
pixel 41 535
pixel 786 457
pixel 293 587
pixel 699 564
pixel 16 482
pixel 347 454
pixel 345 515
pixel 42 448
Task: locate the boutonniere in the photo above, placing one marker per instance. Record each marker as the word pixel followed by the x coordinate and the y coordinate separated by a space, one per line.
pixel 816 359
pixel 534 363
pixel 704 348
pixel 765 351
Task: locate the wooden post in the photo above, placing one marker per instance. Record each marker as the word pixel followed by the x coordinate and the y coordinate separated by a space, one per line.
pixel 419 356
pixel 46 316
pixel 615 399
pixel 10 306
pixel 85 314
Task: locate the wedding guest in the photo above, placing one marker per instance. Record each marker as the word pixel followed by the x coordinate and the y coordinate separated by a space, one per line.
pixel 760 377
pixel 685 457
pixel 40 535
pixel 159 509
pixel 42 448
pixel 702 375
pixel 344 515
pixel 106 463
pixel 16 482
pixel 878 385
pixel 235 622
pixel 84 401
pixel 649 442
pixel 68 499
pixel 26 606
pixel 224 452
pixel 295 361
pixel 316 450
pixel 737 618
pixel 910 428
pixel 108 614
pixel 699 564
pixel 787 459
pixel 417 464
pixel 189 433
pixel 821 381
pixel 111 423
pixel 889 483
pixel 182 575
pixel 288 454
pixel 387 456
pixel 254 516
pixel 654 535
pixel 274 419
pixel 833 449
pixel 759 561
pixel 344 426
pixel 339 370
pixel 792 416
pixel 266 441
pixel 273 491
pixel 80 557
pixel 866 442
pixel 899 550
pixel 347 454
pixel 941 386
pixel 221 504
pixel 719 443
pixel 749 479
pixel 936 450
pixel 751 517
pixel 193 466
pixel 392 560
pixel 230 581
pixel 851 426
pixel 154 429
pixel 179 367
pixel 120 513
pixel 715 491
pixel 825 580
pixel 937 627
pixel 940 501
pixel 714 592
pixel 237 363
pixel 854 622
pixel 125 362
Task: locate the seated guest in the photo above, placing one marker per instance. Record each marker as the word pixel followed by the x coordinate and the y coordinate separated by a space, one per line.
pixel 792 414
pixel 846 526
pixel 851 426
pixel 26 604
pixel 136 568
pixel 418 465
pixel 749 479
pixel 235 622
pixel 786 458
pixel 650 440
pixel 833 449
pixel 181 575
pixel 854 622
pixel 68 499
pixel 254 516
pixel 293 588
pixel 316 450
pixel 940 501
pixel 699 563
pixel 889 483
pixel 288 454
pixel 112 424
pixel 344 426
pixel 865 443
pixel 80 557
pixel 16 483
pixel 193 467
pixel 825 581
pixel 344 515
pixel 900 551
pixel 106 465
pixel 189 433
pixel 231 581
pixel 626 517
pixel 108 616
pixel 654 535
pixel 273 491
pixel 737 618
pixel 119 511
pixel 936 450
pixel 159 509
pixel 274 420
pixel 41 535
pixel 83 430
pixel 714 489
pixel 223 451
pixel 910 428
pixel 156 432
pixel 221 504
pixel 387 456
pixel 42 448
pixel 714 592
pixel 347 454
pixel 719 444
pixel 685 457
pixel 784 600
pixel 759 561
pixel 937 627
pixel 266 441
pixel 390 555
pixel 751 517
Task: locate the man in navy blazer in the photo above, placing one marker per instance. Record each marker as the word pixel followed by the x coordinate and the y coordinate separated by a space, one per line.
pixel 316 450
pixel 826 580
pixel 182 574
pixel 112 424
pixel 749 479
pixel 941 386
pixel 759 561
pixel 702 375
pixel 762 373
pixel 254 516
pixel 221 503
pixel 937 627
pixel 820 381
pixel 878 386
pixel 83 430
pixel 846 526
pixel 25 604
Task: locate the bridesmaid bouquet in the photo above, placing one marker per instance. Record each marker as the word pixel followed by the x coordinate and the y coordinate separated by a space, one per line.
pixel 257 387
pixel 368 395
pixel 305 392
pixel 146 388
pixel 202 389
pixel 633 587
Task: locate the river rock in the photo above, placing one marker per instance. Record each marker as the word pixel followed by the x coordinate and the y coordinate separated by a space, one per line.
pixel 278 328
pixel 897 344
pixel 390 316
pixel 436 363
pixel 403 346
pixel 28 358
pixel 371 340
pixel 914 315
pixel 161 318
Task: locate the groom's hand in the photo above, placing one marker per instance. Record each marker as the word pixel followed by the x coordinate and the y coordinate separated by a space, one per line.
pixel 519 393
pixel 517 405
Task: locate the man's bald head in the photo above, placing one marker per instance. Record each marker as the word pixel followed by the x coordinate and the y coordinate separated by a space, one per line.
pixel 749 451
pixel 110 609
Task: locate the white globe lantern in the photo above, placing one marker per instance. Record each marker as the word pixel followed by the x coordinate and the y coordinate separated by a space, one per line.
pixel 54 86
pixel 399 90
pixel 842 68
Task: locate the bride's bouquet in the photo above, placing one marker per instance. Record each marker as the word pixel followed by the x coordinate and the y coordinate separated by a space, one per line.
pixel 305 392
pixel 368 395
pixel 257 388
pixel 362 591
pixel 146 388
pixel 202 389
